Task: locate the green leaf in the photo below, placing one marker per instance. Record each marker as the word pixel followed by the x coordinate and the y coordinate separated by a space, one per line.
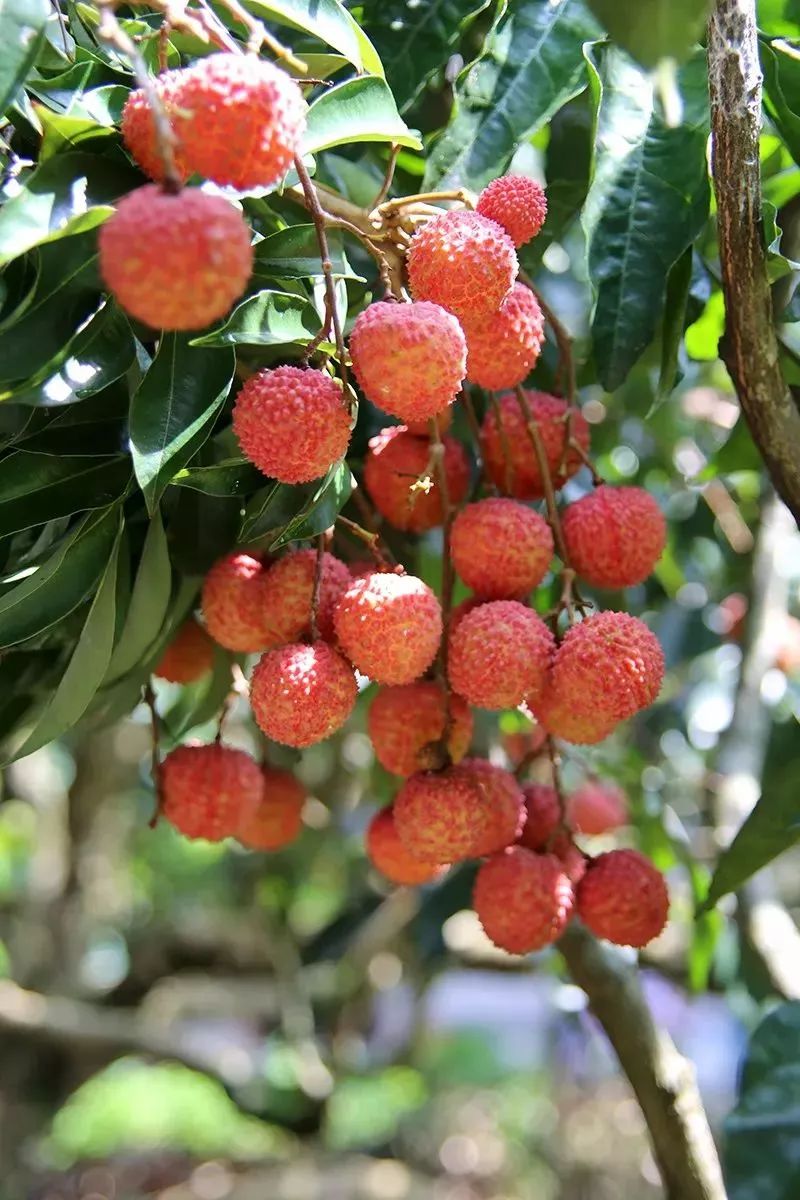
pixel 762 1134
pixel 149 604
pixel 568 166
pixel 62 132
pixel 781 66
pixel 198 702
pixel 532 63
pixel 293 253
pixel 232 477
pixel 35 488
pixel 270 510
pixel 677 298
pixel 779 17
pixel 359 110
pixel 266 319
pixel 22 29
pixel 327 20
pixel 648 201
pixel 654 29
pixel 174 409
pixel 324 506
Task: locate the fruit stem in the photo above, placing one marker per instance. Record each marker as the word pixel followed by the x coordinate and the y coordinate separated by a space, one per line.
pixel 558 786
pixel 149 698
pixel 318 562
pixel 475 432
pixel 566 362
pixel 368 516
pixel 258 36
pixel 448 579
pixel 390 207
pixel 388 176
pixel 503 436
pixel 370 539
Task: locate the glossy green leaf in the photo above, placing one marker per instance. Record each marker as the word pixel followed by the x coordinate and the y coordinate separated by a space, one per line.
pixel 266 319
pixel 22 26
pixel 322 509
pixel 327 20
pixel 148 605
pixel 174 409
pixel 677 296
pixel 270 510
pixel 781 66
pixel 359 110
pixel 63 132
pixel 199 702
pixel 532 63
pixel 779 18
pixel 649 199
pixel 654 29
pixel 35 488
pixel 568 167
pixel 232 477
pixel 293 253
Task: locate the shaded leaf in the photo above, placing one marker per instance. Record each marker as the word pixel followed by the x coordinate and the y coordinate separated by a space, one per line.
pixel 781 66
pixel 568 167
pixel 35 488
pixel 198 702
pixel 266 319
pixel 327 20
pixel 676 301
pixel 654 29
pixel 22 26
pixel 322 509
pixel 233 477
pixel 359 110
pixel 293 253
pixel 271 509
pixel 148 605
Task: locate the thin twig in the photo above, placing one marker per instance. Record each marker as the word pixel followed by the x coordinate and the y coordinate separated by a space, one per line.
pixel 388 176
pixel 163 46
pixel 371 539
pixel 149 698
pixel 389 207
pixel 318 564
pixel 558 787
pixel 566 361
pixel 448 578
pixel 475 431
pixel 534 434
pixel 505 448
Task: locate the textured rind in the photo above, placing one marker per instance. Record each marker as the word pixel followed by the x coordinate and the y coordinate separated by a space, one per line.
pixel 575 862
pixel 405 723
pixel 597 807
pixel 288 589
pixel 444 420
pixel 277 820
pixel 233 605
pixel 292 423
pixel 523 900
pixel 500 548
pixel 441 816
pixel 503 794
pixel 522 479
pixel 138 127
pixel 208 791
pixel 389 626
pixel 504 347
pixel 542 815
pixel 189 656
pixel 517 203
pixel 499 654
pixel 462 261
pixel 175 261
pixel 389 855
pixel 409 359
pixel 584 728
pixel 394 460
pixel 614 536
pixel 623 898
pixel 302 694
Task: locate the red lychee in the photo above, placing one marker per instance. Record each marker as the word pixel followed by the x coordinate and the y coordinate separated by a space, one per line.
pixel 394 463
pixel 189 656
pixel 503 348
pixel 208 791
pixel 623 898
pixel 389 855
pixel 556 715
pixel 509 455
pixel 574 860
pixel 462 261
pixel 292 423
pixel 233 604
pixel 517 203
pixel 503 794
pixel 499 654
pixel 597 807
pixel 543 815
pixel 441 816
pixel 175 261
pixel 523 900
pixel 410 359
pixel 500 548
pixel 389 626
pixel 444 420
pixel 289 586
pixel 277 820
pixel 406 723
pixel 302 694
pixel 614 536
pixel 461 609
pixel 139 130
pixel 523 743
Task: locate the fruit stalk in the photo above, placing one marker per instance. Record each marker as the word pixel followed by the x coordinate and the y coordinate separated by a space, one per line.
pixel 149 698
pixel 563 340
pixel 437 453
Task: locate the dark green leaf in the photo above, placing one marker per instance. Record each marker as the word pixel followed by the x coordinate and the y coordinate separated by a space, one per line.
pixel 63 132
pixel 568 166
pixel 782 91
pixel 201 529
pixel 293 253
pixel 654 29
pixel 199 702
pixel 234 477
pixel 324 506
pixel 327 20
pixel 266 319
pixel 22 25
pixel 148 606
pixel 35 488
pixel 359 110
pixel 677 298
pixel 270 510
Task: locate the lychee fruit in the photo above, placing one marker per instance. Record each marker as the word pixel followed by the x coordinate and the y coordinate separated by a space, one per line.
pixel 139 129
pixel 444 420
pixel 524 742
pixel 508 453
pixel 499 654
pixel 441 816
pixel 517 203
pixel 292 423
pixel 523 900
pixel 405 725
pixel 398 474
pixel 597 807
pixel 389 626
pixel 623 898
pixel 500 548
pixel 277 820
pixel 614 536
pixel 574 860
pixel 175 261
pixel 504 347
pixel 208 791
pixel 288 589
pixel 503 794
pixel 462 261
pixel 233 604
pixel 410 359
pixel 460 610
pixel 188 657
pixel 556 715
pixel 389 855
pixel 302 694
pixel 542 815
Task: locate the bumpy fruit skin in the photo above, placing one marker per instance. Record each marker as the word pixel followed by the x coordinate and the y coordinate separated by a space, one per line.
pixel 444 420
pixel 441 816
pixel 614 536
pixel 574 861
pixel 503 794
pixel 582 728
pixel 542 815
pixel 517 203
pixel 277 820
pixel 389 626
pixel 189 656
pixel 523 900
pixel 406 723
pixel 410 359
pixel 462 261
pixel 500 548
pixel 175 261
pixel 292 423
pixel 302 694
pixel 504 347
pixel 389 855
pixel 499 654
pixel 623 898
pixel 522 478
pixel 208 791
pixel 597 807
pixel 233 605
pixel 138 127
pixel 395 459
pixel 289 586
